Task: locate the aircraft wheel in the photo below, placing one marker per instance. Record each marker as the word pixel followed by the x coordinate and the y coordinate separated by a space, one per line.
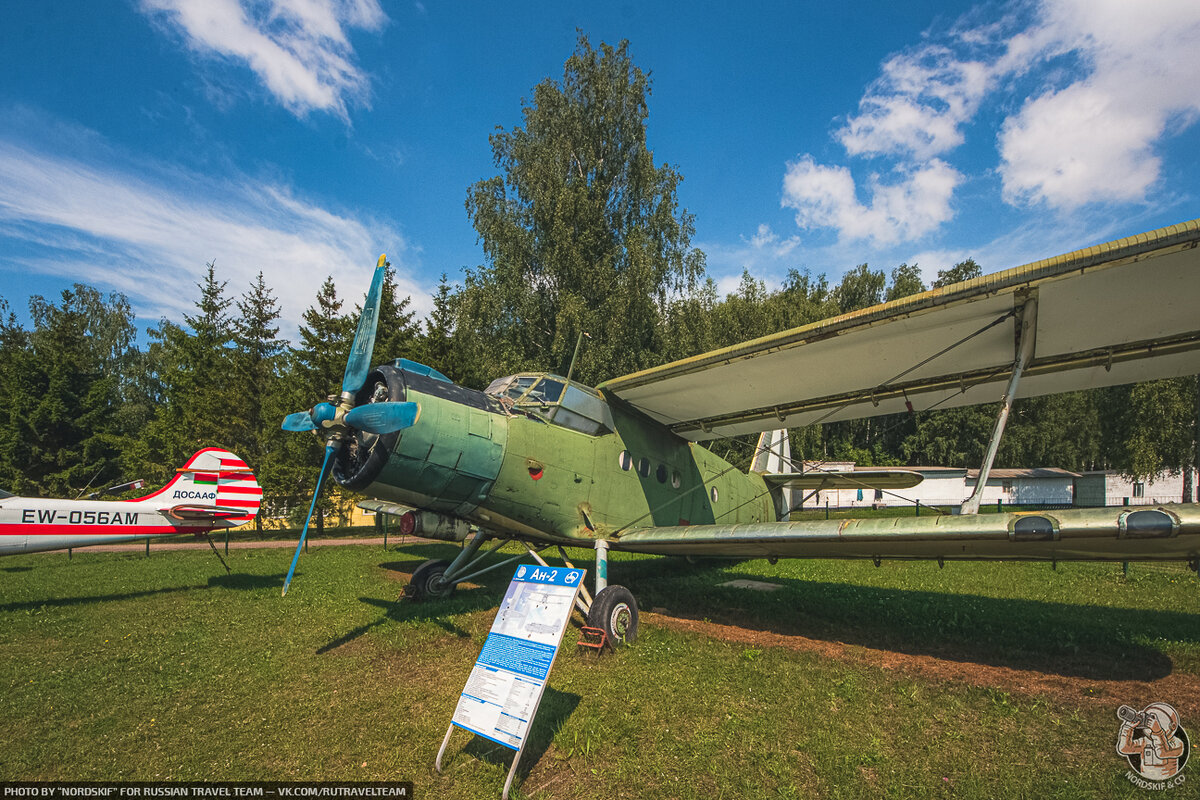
pixel 428 581
pixel 615 612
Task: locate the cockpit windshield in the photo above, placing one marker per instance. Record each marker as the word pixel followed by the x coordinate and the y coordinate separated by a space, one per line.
pixel 4 494
pixel 554 400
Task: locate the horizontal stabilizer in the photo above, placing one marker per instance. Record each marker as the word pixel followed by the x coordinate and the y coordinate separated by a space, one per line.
pixel 192 513
pixel 859 479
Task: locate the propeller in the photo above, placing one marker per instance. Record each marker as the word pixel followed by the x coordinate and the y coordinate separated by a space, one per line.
pixel 333 422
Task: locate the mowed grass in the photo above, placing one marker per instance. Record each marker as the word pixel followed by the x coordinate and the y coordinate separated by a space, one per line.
pixel 116 666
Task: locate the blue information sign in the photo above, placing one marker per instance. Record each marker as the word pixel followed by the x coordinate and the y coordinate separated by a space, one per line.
pixel 505 686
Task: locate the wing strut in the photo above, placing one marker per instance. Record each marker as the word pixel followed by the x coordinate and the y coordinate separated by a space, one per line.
pixel 1026 339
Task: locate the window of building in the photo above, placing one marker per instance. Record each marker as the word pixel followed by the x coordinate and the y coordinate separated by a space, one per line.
pixel 1139 490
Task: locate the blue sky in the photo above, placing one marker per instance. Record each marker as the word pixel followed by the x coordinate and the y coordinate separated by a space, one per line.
pixel 140 139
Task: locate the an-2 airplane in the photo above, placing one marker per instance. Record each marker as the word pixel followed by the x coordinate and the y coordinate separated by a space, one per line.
pixel 546 461
pixel 214 489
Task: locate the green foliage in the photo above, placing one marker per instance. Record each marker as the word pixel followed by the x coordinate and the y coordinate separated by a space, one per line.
pixel 66 393
pixel 861 287
pixel 582 230
pixel 962 271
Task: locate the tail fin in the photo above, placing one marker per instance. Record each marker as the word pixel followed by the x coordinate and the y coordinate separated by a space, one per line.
pixel 214 485
pixel 773 456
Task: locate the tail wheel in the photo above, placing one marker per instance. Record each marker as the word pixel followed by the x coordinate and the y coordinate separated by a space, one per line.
pixel 615 612
pixel 429 581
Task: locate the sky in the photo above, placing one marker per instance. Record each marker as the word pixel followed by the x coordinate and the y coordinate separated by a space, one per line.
pixel 143 139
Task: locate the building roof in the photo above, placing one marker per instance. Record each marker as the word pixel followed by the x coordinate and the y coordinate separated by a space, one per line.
pixel 1013 474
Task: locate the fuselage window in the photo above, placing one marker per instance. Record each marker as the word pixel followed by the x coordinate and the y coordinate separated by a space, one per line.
pixel 714 494
pixel 676 481
pixel 625 460
pixel 644 467
pixel 661 474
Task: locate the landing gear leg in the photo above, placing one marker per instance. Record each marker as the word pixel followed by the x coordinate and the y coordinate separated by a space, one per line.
pixel 613 610
pixel 436 578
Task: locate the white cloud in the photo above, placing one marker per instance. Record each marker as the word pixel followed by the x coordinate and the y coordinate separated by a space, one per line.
pixel 826 197
pixel 299 49
pixel 766 240
pixel 1094 140
pixel 1110 82
pixel 149 237
pixel 917 107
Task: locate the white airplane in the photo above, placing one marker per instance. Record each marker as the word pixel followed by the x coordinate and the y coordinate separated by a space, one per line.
pixel 214 489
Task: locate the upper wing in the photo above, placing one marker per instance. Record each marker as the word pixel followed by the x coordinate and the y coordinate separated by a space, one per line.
pixel 1114 313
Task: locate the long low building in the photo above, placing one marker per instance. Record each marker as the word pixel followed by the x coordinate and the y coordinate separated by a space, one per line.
pixel 948 487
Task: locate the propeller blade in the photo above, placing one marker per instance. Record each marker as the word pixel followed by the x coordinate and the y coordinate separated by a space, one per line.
pixel 329 451
pixel 359 363
pixel 298 422
pixel 383 417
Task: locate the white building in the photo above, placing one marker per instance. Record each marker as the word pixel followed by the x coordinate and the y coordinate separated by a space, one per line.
pixel 1108 488
pixel 1042 486
pixel 949 487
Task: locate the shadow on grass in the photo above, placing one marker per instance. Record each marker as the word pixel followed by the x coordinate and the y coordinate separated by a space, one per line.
pixel 15 569
pixel 66 602
pixel 235 581
pixel 555 709
pixel 1081 641
pixel 406 609
pixel 244 582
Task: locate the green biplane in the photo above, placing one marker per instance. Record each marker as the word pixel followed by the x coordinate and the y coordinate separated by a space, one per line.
pixel 548 462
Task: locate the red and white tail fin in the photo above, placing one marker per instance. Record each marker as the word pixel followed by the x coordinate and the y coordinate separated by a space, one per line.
pixel 213 485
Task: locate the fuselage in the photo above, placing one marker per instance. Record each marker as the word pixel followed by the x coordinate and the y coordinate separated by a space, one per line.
pixel 31 524
pixel 579 467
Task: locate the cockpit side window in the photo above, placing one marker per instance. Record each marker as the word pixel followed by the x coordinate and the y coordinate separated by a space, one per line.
pixel 4 494
pixel 498 386
pixel 549 390
pixel 519 387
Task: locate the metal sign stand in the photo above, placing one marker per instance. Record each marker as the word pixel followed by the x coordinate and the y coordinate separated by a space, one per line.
pixel 512 771
pixel 536 606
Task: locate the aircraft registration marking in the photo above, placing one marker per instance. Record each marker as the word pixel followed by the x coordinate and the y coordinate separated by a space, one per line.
pixel 50 516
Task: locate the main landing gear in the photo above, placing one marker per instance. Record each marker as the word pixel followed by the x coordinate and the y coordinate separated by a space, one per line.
pixel 613 609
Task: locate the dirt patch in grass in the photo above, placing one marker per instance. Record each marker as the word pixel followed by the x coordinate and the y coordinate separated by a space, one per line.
pixel 1179 689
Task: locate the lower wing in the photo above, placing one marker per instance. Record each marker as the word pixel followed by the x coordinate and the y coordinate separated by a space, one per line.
pixel 1160 533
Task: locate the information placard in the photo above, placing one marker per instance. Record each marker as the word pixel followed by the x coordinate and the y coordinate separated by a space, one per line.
pixel 505 686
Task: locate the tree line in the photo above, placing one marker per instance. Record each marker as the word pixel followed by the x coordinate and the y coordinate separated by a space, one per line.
pixel 582 232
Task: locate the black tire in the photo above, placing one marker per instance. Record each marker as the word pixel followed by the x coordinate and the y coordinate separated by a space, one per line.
pixel 615 612
pixel 428 582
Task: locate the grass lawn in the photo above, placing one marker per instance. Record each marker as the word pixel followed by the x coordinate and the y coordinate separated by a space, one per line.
pixel 979 680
